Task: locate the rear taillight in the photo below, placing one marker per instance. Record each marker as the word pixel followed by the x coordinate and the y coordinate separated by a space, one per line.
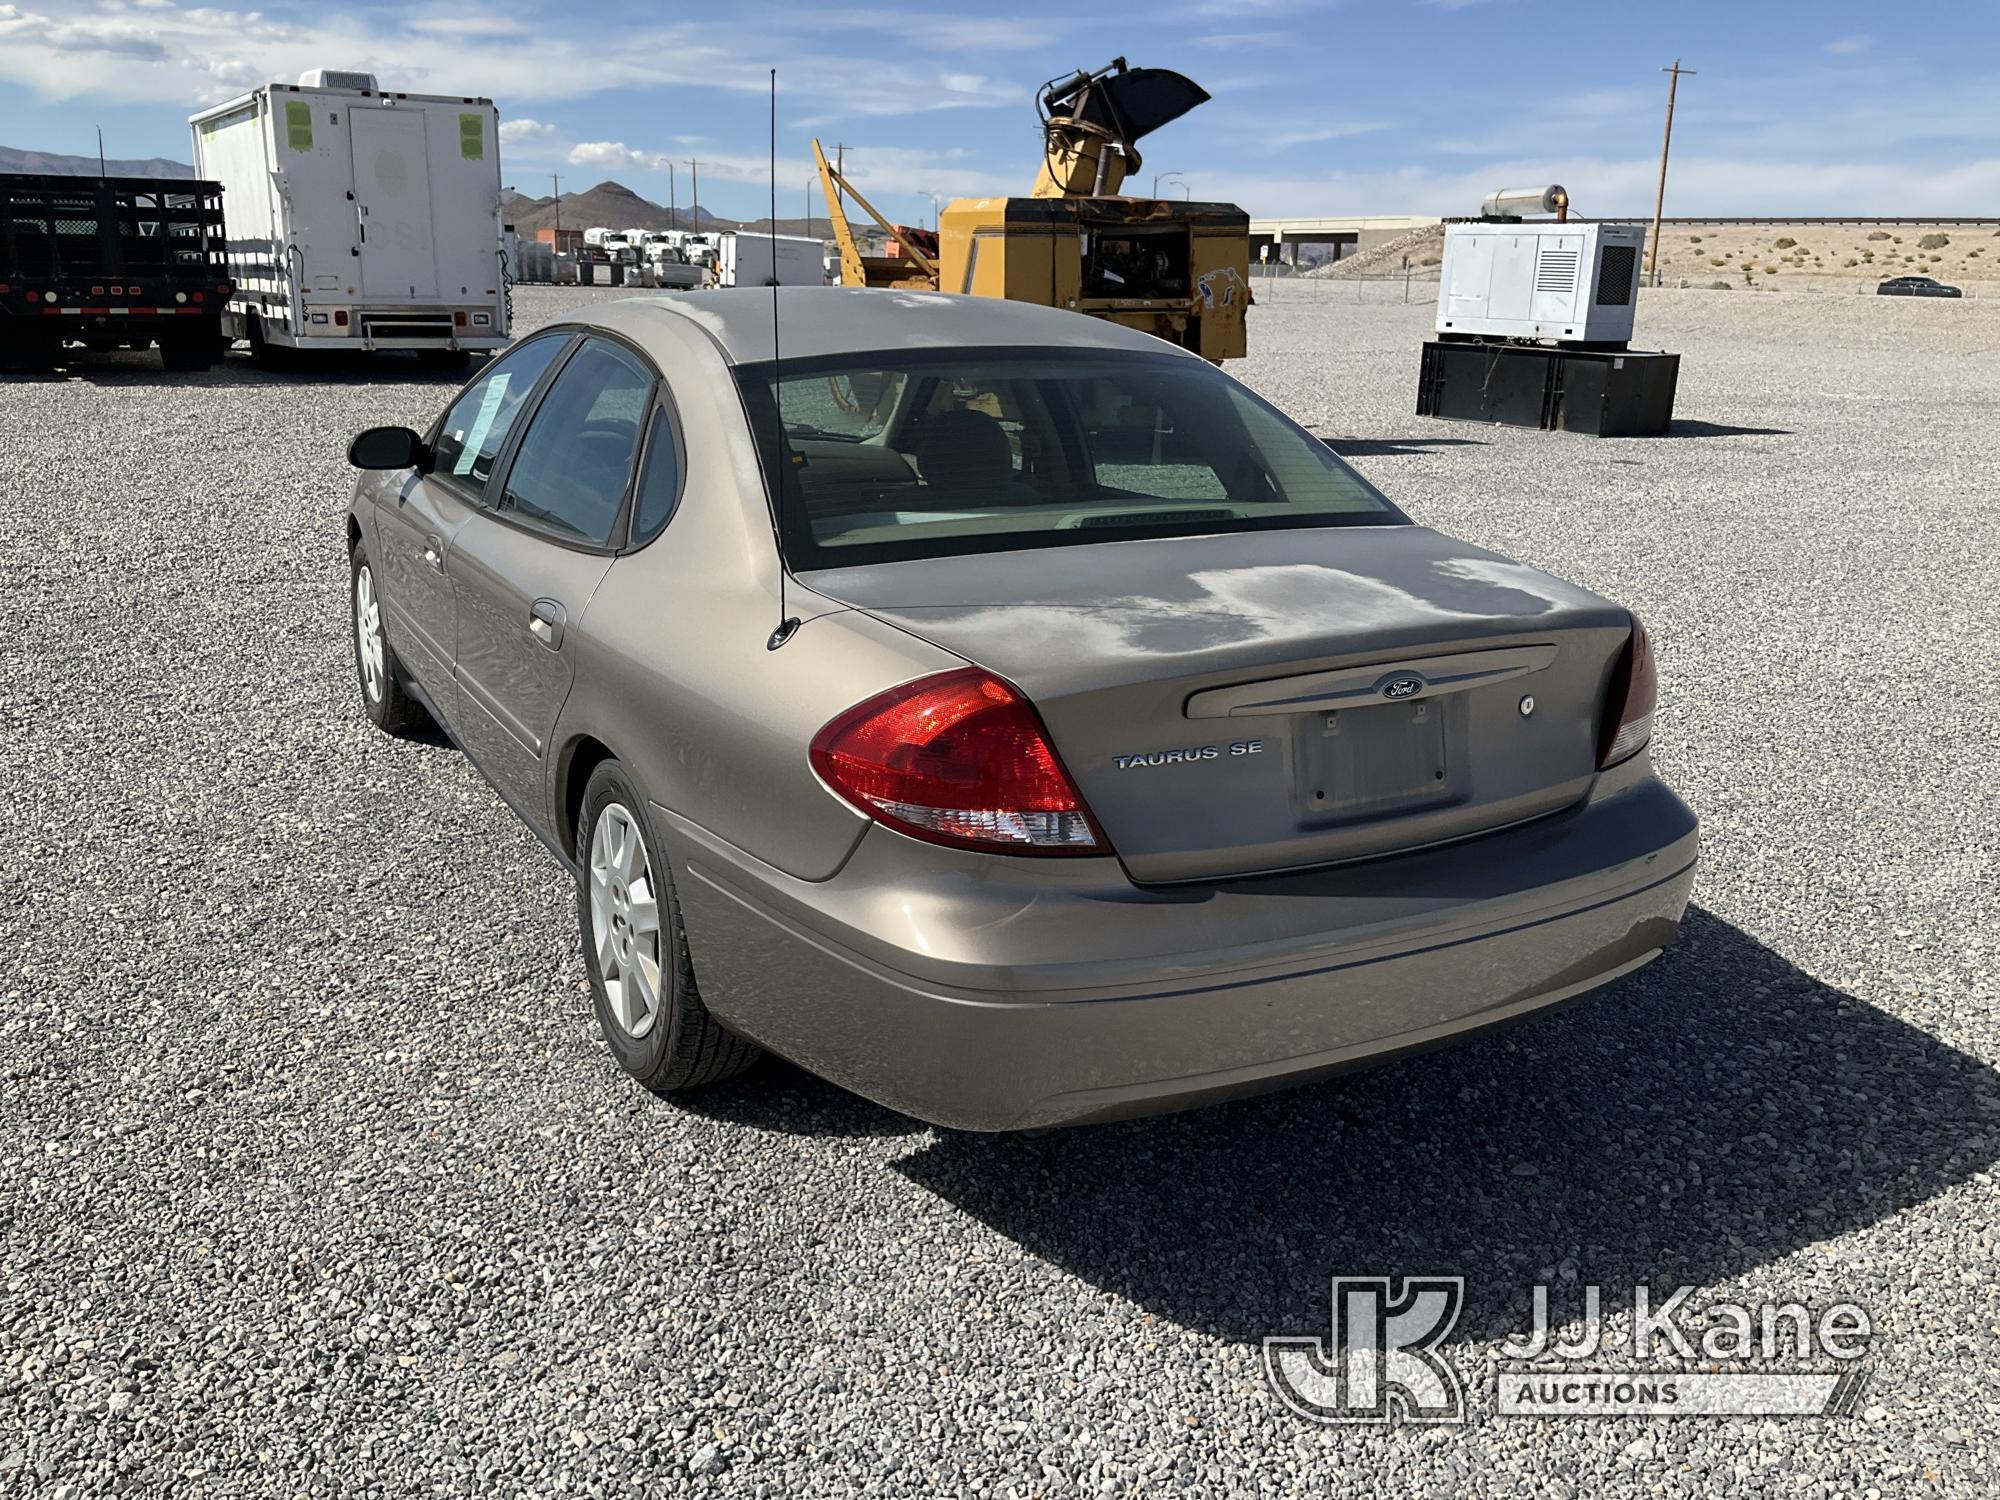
pixel 960 758
pixel 1628 711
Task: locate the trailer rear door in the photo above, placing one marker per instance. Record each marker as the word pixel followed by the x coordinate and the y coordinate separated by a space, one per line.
pixel 392 183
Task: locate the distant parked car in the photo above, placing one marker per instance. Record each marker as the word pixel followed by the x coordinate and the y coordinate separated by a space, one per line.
pixel 1916 286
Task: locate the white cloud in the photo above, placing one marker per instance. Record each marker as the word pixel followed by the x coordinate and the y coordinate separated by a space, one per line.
pixel 1850 44
pixel 884 174
pixel 931 33
pixel 1279 137
pixel 191 55
pixel 614 154
pixel 520 132
pixel 471 23
pixel 1223 41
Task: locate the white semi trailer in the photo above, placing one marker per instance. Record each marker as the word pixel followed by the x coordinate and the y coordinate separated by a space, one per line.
pixel 746 260
pixel 359 219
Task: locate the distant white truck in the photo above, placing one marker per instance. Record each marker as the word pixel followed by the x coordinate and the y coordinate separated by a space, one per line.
pixel 746 259
pixel 613 245
pixel 661 253
pixel 359 219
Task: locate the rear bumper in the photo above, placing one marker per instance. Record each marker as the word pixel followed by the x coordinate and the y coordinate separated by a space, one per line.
pixel 1004 994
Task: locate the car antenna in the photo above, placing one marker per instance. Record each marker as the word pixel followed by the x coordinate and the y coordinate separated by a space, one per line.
pixel 787 624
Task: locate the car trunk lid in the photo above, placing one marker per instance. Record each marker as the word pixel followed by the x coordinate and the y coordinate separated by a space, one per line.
pixel 1245 703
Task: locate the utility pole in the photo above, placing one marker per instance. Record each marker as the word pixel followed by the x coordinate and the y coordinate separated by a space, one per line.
pixel 102 170
pixel 840 172
pixel 673 213
pixel 694 192
pixel 555 189
pixel 1660 201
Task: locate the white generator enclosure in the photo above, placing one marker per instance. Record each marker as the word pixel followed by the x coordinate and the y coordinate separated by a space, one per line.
pixel 746 260
pixel 1555 281
pixel 360 219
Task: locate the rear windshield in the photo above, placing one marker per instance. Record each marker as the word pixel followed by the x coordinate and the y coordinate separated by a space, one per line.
pixel 902 455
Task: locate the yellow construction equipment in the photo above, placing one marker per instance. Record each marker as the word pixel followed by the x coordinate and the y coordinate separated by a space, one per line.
pixel 1177 269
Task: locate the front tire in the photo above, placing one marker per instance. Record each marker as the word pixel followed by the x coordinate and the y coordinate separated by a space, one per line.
pixel 642 980
pixel 388 705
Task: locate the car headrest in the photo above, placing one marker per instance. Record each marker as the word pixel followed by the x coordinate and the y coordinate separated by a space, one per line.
pixel 965 455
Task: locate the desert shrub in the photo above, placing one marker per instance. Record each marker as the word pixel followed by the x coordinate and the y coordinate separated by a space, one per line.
pixel 1770 270
pixel 1880 234
pixel 1720 286
pixel 1716 260
pixel 1897 238
pixel 1934 242
pixel 1851 262
pixel 1785 242
pixel 1694 239
pixel 1430 260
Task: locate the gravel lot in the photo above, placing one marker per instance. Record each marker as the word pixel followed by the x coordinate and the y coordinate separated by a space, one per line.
pixel 315 1179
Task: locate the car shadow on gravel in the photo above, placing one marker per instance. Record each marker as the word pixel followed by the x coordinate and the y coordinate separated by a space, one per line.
pixel 1708 1115
pixel 777 1096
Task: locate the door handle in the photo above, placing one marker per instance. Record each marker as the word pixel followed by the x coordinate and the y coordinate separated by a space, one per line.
pixel 546 618
pixel 434 553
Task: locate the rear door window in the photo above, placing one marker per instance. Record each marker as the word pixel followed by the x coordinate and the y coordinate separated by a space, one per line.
pixel 570 474
pixel 475 427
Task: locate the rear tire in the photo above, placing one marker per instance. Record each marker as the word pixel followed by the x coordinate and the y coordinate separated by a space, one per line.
pixel 27 353
pixel 389 707
pixel 264 354
pixel 444 359
pixel 190 352
pixel 642 982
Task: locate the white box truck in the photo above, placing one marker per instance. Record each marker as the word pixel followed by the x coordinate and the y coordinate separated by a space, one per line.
pixel 359 219
pixel 745 260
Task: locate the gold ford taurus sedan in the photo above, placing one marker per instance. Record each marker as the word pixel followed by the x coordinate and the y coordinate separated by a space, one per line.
pixel 1001 713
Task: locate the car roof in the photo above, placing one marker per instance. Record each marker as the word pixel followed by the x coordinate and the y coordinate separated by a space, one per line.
pixel 829 320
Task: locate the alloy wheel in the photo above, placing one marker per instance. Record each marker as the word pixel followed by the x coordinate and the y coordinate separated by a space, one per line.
pixel 368 635
pixel 625 920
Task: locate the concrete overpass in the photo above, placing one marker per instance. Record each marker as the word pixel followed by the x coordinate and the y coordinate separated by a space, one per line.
pixel 1282 237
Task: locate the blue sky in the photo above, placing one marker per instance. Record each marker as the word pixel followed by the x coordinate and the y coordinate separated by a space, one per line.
pixel 1368 106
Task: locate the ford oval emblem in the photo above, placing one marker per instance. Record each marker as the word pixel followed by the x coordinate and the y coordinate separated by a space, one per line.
pixel 1402 687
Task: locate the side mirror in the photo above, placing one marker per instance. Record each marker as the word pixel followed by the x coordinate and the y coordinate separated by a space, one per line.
pixel 386 448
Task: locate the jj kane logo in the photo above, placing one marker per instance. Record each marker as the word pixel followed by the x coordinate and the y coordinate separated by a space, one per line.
pixel 1381 1359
